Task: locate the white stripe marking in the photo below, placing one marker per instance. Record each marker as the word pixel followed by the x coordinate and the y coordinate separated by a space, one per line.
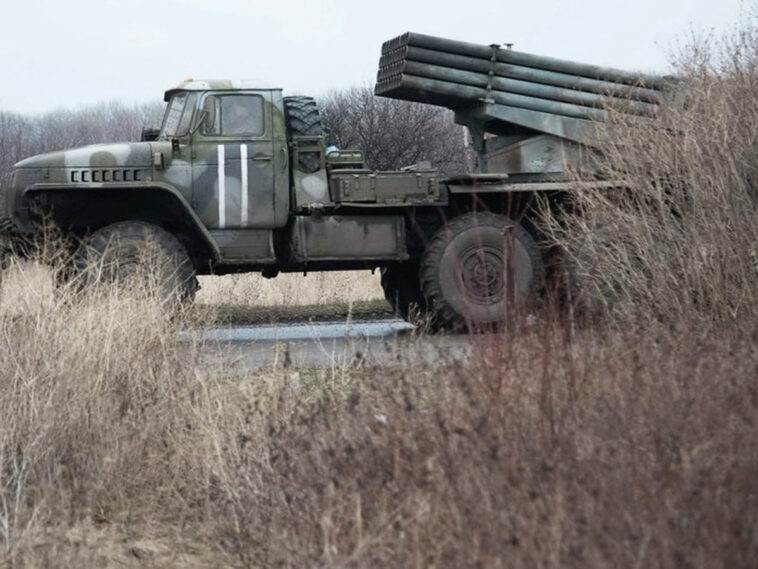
pixel 243 166
pixel 221 187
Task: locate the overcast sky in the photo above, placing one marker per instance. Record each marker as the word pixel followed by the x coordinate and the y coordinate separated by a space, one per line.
pixel 70 53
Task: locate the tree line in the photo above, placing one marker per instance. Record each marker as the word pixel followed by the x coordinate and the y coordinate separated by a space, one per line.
pixel 26 135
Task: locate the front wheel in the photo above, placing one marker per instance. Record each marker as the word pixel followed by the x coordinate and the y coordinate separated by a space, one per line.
pixel 479 270
pixel 136 253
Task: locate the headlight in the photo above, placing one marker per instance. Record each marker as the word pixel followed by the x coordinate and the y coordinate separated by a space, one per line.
pixel 24 177
pixel 20 180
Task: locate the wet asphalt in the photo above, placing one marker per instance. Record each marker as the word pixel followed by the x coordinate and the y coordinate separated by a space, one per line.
pixel 381 342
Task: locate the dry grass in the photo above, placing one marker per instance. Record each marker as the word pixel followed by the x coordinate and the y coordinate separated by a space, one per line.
pixel 291 289
pixel 253 299
pixel 90 385
pixel 628 446
pixel 682 242
pixel 119 446
pixel 619 451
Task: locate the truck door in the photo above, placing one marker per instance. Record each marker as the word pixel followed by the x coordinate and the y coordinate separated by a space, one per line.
pixel 233 161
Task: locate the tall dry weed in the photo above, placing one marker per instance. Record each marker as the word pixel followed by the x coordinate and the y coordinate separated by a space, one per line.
pixel 101 409
pixel 624 450
pixel 120 445
pixel 681 242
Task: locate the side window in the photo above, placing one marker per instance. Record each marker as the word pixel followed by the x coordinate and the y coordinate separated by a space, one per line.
pixel 179 114
pixel 174 114
pixel 189 108
pixel 234 115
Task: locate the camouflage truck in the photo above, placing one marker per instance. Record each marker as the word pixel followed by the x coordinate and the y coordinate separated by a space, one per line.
pixel 240 178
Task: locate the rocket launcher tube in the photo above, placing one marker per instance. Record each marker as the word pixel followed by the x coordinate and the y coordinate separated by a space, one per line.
pixel 515 86
pixel 600 87
pixel 525 59
pixel 453 95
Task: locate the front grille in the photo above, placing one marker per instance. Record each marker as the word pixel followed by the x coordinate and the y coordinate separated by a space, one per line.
pixel 99 175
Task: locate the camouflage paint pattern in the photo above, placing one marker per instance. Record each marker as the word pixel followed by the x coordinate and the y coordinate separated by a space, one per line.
pixel 235 188
pixel 241 182
pixel 189 163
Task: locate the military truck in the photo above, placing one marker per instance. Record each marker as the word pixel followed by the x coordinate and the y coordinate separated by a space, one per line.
pixel 240 178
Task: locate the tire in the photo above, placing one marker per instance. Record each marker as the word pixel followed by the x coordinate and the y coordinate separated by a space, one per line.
pixel 5 254
pixel 402 289
pixel 303 118
pixel 464 272
pixel 128 251
pixel 6 226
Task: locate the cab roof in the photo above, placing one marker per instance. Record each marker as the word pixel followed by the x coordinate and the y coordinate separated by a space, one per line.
pixel 214 84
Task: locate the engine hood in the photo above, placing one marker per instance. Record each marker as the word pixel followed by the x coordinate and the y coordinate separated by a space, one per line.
pixel 128 154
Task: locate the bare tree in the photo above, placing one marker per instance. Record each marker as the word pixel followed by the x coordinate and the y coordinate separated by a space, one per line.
pixel 22 136
pixel 13 140
pixel 392 133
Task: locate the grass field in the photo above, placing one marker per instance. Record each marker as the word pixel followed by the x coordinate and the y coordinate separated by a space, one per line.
pixel 121 446
pixel 252 299
pixel 620 431
pixel 291 289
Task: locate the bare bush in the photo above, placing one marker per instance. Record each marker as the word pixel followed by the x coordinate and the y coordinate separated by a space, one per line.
pixel 680 243
pixel 607 451
pixel 392 133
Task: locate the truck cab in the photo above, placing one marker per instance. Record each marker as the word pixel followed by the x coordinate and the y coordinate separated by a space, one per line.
pixel 224 145
pixel 240 175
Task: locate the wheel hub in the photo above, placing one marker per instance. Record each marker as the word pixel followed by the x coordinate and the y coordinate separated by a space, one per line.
pixel 483 275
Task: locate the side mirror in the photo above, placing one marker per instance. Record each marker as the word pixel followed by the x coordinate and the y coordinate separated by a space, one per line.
pixel 149 134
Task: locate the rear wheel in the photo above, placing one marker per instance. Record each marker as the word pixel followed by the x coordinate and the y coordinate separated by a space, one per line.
pixel 136 253
pixel 479 270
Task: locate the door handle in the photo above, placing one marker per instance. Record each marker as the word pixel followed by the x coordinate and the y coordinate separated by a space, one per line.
pixel 263 157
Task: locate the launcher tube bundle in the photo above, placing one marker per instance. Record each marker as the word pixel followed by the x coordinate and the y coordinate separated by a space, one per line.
pixel 493 89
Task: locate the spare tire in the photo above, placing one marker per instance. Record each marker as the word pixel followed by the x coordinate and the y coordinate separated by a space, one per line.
pixel 303 118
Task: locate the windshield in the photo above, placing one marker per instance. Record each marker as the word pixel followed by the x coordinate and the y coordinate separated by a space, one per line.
pixel 176 121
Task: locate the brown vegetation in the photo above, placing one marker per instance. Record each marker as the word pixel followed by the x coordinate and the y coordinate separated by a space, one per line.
pixel 120 445
pixel 629 443
pixel 682 241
